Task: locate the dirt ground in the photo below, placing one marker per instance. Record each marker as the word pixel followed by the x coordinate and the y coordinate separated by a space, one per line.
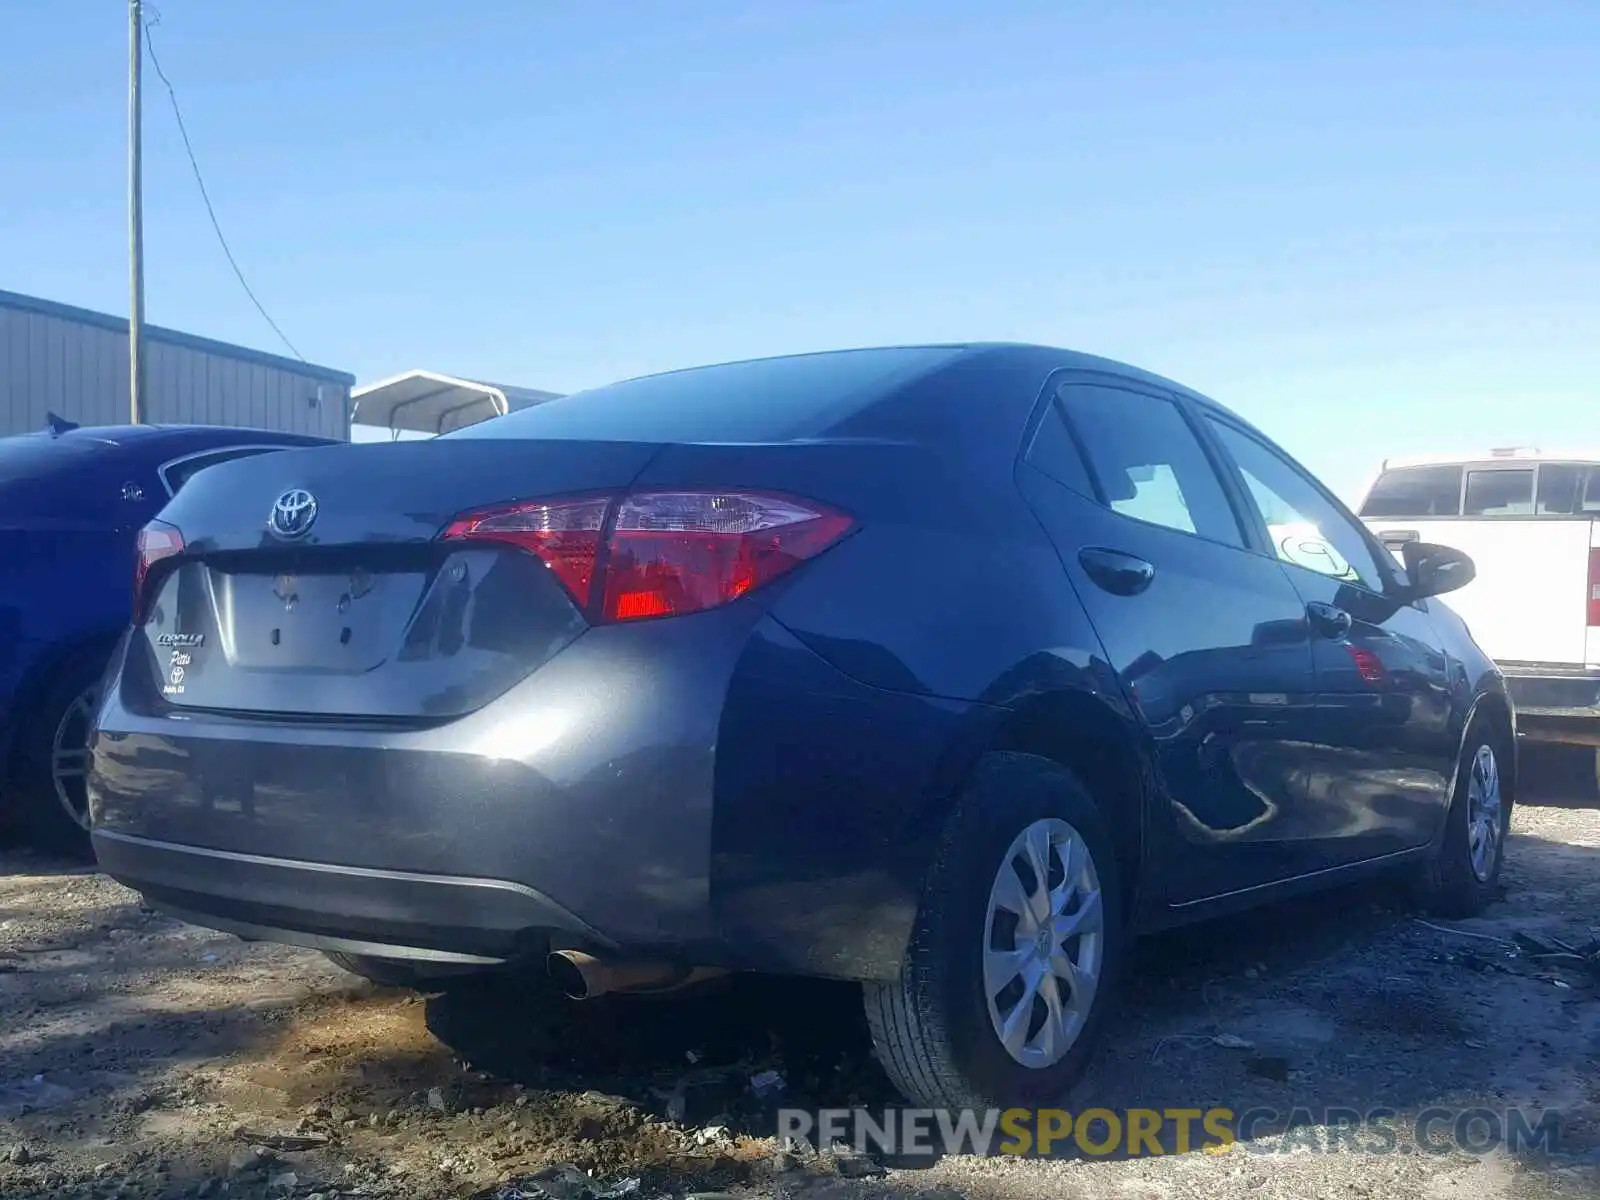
pixel 139 1057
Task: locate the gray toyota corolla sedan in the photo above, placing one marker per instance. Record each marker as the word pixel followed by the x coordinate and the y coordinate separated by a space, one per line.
pixel 944 669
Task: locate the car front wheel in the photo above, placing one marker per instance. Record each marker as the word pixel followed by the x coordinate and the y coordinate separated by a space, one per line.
pixel 1018 942
pixel 1462 875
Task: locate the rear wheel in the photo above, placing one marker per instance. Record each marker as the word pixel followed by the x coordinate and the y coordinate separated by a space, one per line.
pixel 53 760
pixel 1462 876
pixel 1019 940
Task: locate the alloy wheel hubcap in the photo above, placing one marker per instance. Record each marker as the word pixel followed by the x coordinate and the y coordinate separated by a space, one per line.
pixel 1485 813
pixel 1044 941
pixel 69 757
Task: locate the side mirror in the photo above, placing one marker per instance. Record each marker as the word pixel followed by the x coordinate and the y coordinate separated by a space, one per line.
pixel 1435 570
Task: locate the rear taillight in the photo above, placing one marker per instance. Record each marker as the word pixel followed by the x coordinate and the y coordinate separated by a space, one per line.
pixel 157 540
pixel 661 554
pixel 1594 587
pixel 564 533
pixel 681 552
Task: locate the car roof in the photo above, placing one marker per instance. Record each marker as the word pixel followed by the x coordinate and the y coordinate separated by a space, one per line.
pixel 1024 356
pixel 1069 360
pixel 1079 360
pixel 1084 361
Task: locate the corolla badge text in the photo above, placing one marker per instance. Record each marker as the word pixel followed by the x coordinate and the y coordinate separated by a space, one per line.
pixel 189 640
pixel 293 514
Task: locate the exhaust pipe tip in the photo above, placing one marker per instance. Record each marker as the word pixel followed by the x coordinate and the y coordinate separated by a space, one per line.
pixel 582 976
pixel 572 971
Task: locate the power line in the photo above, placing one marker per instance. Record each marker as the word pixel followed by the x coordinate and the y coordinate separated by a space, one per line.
pixel 150 22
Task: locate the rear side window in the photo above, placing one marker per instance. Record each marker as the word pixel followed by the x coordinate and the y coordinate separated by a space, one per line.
pixel 1499 493
pixel 1568 489
pixel 1415 492
pixel 1054 453
pixel 766 400
pixel 1148 463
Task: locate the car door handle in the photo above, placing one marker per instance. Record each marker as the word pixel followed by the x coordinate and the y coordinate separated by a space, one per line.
pixel 1118 573
pixel 1329 620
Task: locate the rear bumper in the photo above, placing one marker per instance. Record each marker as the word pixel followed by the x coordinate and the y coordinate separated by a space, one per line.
pixel 575 810
pixel 710 792
pixel 1555 702
pixel 356 910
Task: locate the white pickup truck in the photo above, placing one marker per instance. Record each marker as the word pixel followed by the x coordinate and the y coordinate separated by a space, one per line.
pixel 1530 521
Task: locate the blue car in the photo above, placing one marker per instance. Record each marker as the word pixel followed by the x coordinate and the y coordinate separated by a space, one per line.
pixel 941 669
pixel 72 502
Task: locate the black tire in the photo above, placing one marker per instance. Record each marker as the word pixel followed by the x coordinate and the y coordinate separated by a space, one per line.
pixel 1448 885
pixel 45 820
pixel 931 1028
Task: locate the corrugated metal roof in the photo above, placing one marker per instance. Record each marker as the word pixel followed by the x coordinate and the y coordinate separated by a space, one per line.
pixel 155 333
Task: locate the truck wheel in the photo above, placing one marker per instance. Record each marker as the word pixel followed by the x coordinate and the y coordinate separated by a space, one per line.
pixel 1019 939
pixel 53 760
pixel 1462 875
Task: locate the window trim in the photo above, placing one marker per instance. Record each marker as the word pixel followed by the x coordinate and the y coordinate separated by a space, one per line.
pixel 1051 396
pixel 182 459
pixel 1382 558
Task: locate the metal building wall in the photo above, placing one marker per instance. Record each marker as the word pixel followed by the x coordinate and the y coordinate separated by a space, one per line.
pixel 74 362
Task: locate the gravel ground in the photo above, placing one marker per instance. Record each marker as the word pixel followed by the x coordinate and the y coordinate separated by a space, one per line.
pixel 139 1057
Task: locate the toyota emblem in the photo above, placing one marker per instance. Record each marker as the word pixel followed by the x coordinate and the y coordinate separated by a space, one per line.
pixel 293 514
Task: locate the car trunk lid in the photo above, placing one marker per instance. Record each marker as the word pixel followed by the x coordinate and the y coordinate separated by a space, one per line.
pixel 313 585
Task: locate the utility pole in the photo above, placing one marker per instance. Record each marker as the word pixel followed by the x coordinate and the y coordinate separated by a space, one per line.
pixel 135 213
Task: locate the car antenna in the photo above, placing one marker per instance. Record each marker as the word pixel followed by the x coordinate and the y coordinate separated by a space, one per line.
pixel 58 425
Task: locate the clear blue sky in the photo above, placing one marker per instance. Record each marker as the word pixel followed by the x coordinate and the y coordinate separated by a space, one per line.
pixel 1372 228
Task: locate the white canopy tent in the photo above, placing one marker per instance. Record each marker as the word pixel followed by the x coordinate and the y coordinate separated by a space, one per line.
pixel 429 403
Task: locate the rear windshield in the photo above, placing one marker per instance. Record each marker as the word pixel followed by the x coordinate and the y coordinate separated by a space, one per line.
pixel 1415 492
pixel 765 400
pixel 29 455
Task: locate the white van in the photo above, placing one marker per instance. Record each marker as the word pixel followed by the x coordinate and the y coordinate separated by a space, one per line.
pixel 1530 521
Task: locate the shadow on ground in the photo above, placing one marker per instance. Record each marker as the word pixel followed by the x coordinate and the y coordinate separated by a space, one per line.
pixel 137 1050
pixel 1559 776
pixel 1343 1002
